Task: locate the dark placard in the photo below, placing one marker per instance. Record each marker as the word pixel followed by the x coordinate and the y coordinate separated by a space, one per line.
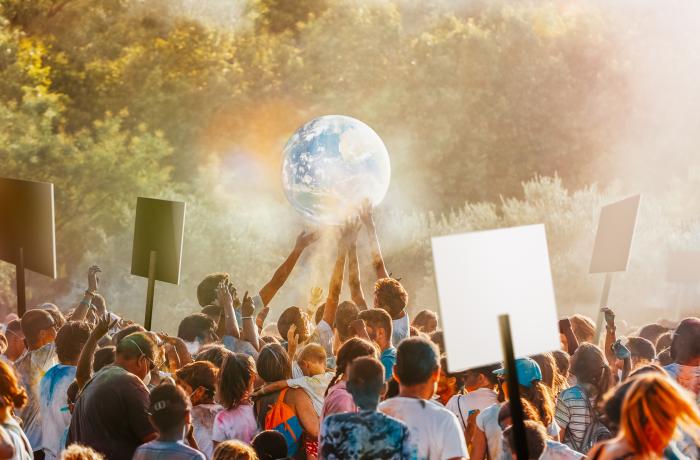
pixel 159 227
pixel 27 222
pixel 613 241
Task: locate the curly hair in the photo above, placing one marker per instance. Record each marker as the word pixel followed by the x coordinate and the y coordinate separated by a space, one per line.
pixel 11 392
pixel 390 295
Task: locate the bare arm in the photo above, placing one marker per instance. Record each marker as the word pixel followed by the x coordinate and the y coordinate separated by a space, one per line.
pixel 283 271
pixel 305 412
pixel 250 330
pixel 610 335
pixel 83 372
pixel 81 310
pixel 336 285
pixel 377 259
pixel 225 299
pixel 571 340
pixel 478 445
pixel 356 293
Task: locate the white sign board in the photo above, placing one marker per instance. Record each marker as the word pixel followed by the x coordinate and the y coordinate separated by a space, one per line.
pixel 483 275
pixel 611 252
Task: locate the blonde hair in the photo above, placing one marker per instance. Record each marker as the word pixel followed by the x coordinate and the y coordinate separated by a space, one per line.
pixel 78 452
pixel 654 407
pixel 234 450
pixel 313 352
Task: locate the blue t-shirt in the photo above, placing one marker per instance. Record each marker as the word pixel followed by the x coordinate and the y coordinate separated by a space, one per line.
pixel 361 435
pixel 388 359
pixel 175 450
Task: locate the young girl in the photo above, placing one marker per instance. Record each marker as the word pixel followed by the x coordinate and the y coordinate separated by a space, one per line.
pixel 12 396
pixel 235 386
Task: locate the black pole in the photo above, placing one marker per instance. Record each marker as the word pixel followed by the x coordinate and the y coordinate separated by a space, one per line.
pixel 21 294
pixel 151 289
pixel 516 407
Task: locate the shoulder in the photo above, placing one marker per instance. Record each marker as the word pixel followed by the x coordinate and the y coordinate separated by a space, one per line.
pixel 570 393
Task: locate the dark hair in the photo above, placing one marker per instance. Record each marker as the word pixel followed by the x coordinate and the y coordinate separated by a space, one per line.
pixel 458 376
pixel 12 393
pixel 237 371
pixel 195 326
pixel 535 435
pixel 134 345
pixel 583 327
pixel 293 315
pixel 58 319
pixel 651 367
pixel 354 348
pixel 685 345
pixel 206 290
pixel 641 348
pixel 664 341
pixel 346 313
pixel 269 339
pixel 590 366
pixel 104 357
pixel 270 445
pixel 169 405
pixel 214 353
pixel 116 338
pixel 365 381
pixel 664 357
pixel 390 295
pixel 550 372
pixel 70 340
pixel 487 372
pixel 438 338
pixel 377 318
pixel 273 363
pixel 318 316
pixel 652 331
pixel 416 360
pixel 72 392
pixel 563 361
pixel 212 310
pixel 199 374
pixel 422 318
pixel 35 321
pixel 15 326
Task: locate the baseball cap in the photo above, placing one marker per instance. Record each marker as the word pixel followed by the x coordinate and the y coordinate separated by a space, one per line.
pixel 527 369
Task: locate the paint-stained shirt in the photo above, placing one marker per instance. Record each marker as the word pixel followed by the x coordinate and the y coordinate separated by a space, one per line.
pixel 364 435
pixel 55 416
pixel 31 368
pixel 238 423
pixel 203 416
pixel 167 450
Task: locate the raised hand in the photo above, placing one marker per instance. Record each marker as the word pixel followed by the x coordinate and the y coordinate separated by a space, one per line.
pixel 609 317
pixel 93 278
pixel 104 324
pixel 306 239
pixel 223 294
pixel 349 231
pixel 316 295
pixel 366 212
pixel 564 325
pixel 247 307
pixel 292 337
pixel 260 319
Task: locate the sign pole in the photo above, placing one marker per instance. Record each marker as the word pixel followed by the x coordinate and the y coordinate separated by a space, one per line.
pixel 21 293
pixel 151 289
pixel 603 303
pixel 516 408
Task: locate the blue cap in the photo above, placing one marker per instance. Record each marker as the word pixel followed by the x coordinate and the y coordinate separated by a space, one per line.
pixel 527 369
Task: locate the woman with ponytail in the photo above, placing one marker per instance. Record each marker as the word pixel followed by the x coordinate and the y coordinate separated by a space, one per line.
pixel 12 396
pixel 577 409
pixel 338 399
pixel 653 410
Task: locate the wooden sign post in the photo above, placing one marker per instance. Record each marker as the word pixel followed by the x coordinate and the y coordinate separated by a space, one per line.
pixel 27 231
pixel 611 251
pixel 158 235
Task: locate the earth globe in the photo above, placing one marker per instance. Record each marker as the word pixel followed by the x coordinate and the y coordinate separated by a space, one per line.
pixel 331 165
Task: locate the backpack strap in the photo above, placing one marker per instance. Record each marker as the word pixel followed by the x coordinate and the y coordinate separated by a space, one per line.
pixel 280 398
pixel 459 408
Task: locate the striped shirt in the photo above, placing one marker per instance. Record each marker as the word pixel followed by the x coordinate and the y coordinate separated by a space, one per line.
pixel 573 416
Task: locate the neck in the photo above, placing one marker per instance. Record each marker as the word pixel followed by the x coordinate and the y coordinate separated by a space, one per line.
pixel 420 391
pixel 173 435
pixel 34 345
pixel 5 413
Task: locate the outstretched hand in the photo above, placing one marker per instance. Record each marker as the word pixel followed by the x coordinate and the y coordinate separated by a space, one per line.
pixel 366 212
pixel 247 306
pixel 349 231
pixel 93 278
pixel 223 294
pixel 609 317
pixel 104 324
pixel 292 337
pixel 306 239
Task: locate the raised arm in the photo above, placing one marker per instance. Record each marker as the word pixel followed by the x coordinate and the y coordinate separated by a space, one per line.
pixel 83 372
pixel 377 259
pixel 283 271
pixel 568 332
pixel 250 329
pixel 225 299
pixel 610 334
pixel 81 310
pixel 336 283
pixel 354 281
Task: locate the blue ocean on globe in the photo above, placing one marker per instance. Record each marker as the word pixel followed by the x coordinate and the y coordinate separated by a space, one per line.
pixel 331 164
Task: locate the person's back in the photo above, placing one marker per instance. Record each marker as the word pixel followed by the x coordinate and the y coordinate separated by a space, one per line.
pixel 111 413
pixel 368 433
pixel 685 352
pixel 435 432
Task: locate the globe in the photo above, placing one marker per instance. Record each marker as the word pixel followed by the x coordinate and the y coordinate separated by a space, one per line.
pixel 331 165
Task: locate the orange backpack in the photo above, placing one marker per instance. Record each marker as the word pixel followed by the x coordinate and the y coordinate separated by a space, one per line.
pixel 280 417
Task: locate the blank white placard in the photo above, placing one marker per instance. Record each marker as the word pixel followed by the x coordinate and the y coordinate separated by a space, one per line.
pixel 482 275
pixel 613 240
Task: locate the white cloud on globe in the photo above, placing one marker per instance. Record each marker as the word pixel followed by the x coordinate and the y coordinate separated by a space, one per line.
pixel 330 165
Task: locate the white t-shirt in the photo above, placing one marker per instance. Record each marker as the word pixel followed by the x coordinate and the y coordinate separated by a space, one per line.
pixel 55 416
pixel 435 432
pixel 402 329
pixel 558 451
pixel 487 421
pixel 314 386
pixel 471 402
pixel 203 416
pixel 238 423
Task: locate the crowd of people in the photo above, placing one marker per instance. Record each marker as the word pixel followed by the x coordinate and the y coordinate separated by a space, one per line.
pixel 332 379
